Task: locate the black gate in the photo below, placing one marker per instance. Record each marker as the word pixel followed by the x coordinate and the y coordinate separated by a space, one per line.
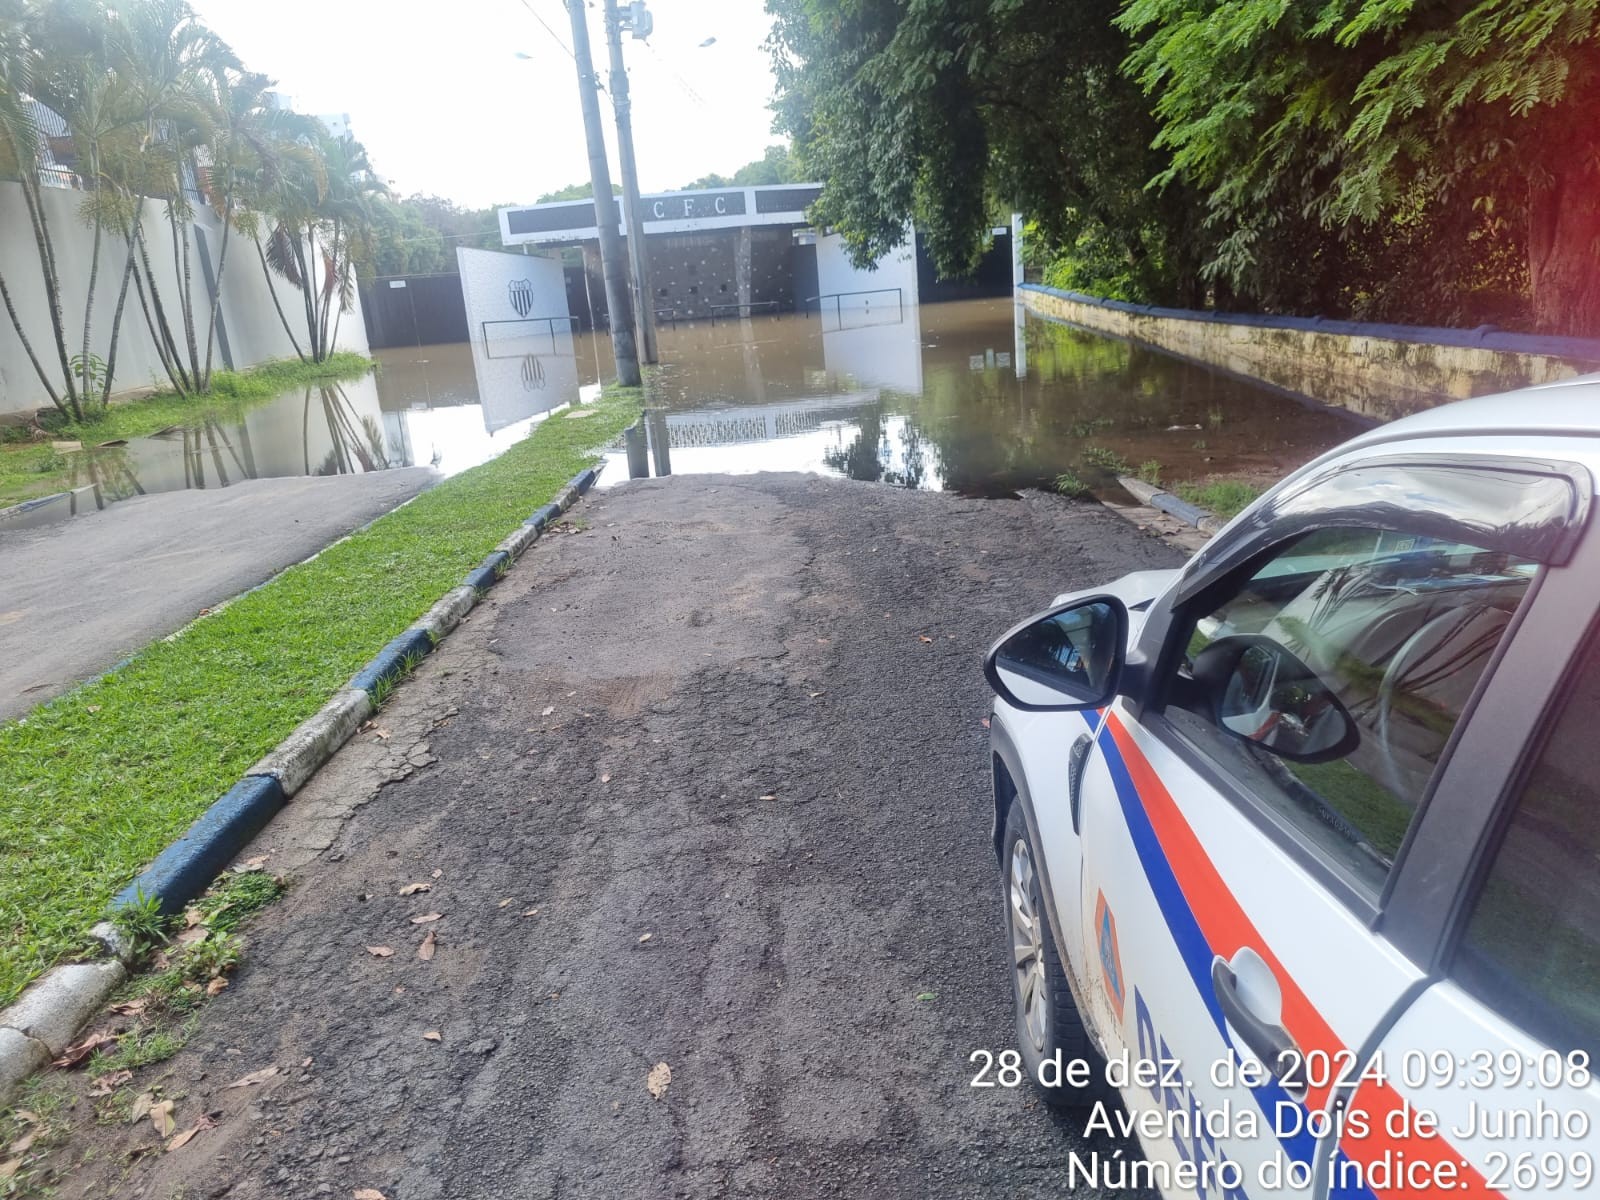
pixel 414 310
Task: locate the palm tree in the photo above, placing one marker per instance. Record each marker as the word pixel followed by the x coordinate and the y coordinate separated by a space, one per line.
pixel 166 59
pixel 322 225
pixel 20 145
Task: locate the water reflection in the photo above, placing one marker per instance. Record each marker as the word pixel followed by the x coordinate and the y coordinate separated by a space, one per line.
pixel 443 407
pixel 979 397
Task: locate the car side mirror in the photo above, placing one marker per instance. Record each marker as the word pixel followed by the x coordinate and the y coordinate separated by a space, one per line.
pixel 1063 660
pixel 1260 692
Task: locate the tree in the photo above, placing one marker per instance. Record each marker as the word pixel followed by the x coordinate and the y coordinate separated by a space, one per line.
pixel 940 112
pixel 777 165
pixel 575 191
pixel 1451 134
pixel 419 235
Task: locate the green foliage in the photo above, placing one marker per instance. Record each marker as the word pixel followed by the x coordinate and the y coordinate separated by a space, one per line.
pixel 237 897
pixel 777 165
pixel 140 922
pixel 1070 485
pixel 1225 497
pixel 575 191
pixel 943 111
pixel 1150 472
pixel 1391 156
pixel 419 235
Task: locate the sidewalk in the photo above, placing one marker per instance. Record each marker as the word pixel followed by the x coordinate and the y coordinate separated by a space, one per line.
pixel 703 782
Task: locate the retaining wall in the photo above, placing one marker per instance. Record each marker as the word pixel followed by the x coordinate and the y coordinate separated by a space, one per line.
pixel 1380 371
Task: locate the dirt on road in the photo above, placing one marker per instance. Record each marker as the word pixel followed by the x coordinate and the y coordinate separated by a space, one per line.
pixel 704 783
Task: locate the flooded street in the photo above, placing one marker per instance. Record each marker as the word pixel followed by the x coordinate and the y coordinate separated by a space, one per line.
pixel 976 397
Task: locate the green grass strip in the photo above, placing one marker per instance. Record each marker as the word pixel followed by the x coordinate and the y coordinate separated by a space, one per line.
pixel 32 469
pixel 96 783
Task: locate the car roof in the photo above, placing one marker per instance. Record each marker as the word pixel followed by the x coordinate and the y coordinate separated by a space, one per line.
pixel 1567 407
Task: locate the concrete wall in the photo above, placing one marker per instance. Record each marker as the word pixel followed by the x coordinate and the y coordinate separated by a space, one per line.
pixel 253 330
pixel 1381 371
pixel 836 275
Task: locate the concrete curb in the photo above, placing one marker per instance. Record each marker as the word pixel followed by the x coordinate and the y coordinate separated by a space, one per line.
pixel 186 868
pixel 299 755
pixel 54 1007
pixel 1174 506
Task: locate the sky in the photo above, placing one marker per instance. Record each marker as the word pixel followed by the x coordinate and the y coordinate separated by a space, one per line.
pixel 444 105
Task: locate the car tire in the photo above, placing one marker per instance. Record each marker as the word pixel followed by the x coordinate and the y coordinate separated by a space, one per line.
pixel 1047 1018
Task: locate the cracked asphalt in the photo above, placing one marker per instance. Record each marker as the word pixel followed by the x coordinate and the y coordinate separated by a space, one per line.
pixel 704 782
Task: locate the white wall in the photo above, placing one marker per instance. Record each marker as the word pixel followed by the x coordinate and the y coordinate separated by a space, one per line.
pixel 836 275
pixel 254 331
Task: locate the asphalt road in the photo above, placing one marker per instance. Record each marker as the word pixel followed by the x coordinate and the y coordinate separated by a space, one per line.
pixel 704 783
pixel 77 598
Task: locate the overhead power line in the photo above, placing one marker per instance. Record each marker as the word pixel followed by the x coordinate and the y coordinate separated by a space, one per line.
pixel 535 12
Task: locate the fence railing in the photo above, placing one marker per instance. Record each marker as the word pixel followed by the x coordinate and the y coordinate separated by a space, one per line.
pixel 548 322
pixel 838 299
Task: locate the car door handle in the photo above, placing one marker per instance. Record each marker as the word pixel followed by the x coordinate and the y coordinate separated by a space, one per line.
pixel 1077 762
pixel 1269 1042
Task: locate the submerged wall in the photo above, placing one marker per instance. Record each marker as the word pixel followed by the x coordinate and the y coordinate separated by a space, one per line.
pixel 253 331
pixel 1380 371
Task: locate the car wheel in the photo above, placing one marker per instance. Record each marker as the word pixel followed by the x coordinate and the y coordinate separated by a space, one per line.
pixel 1047 1019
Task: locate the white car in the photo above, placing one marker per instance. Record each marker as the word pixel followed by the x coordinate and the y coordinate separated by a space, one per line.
pixel 1301 842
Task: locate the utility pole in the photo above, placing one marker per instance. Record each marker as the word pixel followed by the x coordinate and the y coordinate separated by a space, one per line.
pixel 644 311
pixel 612 265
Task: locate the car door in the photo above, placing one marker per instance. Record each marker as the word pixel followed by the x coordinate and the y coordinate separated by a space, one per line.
pixel 1500 1050
pixel 1235 893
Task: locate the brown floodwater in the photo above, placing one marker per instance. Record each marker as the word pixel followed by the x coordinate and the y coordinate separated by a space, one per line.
pixel 978 397
pixel 974 396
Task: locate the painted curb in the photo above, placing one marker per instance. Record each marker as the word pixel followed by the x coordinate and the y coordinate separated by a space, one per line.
pixel 489 571
pixel 1173 506
pixel 54 1007
pixel 50 1012
pixel 542 516
pixel 186 868
pixel 298 756
pixel 20 1056
pixel 393 661
pixel 443 617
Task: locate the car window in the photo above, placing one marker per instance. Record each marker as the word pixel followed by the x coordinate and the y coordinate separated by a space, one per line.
pixel 1390 628
pixel 1532 945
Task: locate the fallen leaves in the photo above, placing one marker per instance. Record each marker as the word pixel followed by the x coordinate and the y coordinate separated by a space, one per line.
pixel 142 1104
pixel 250 1080
pixel 161 1118
pixel 506 903
pixel 658 1079
pixel 532 912
pixel 184 1138
pixel 217 986
pixel 78 1053
pixel 924 997
pixel 433 1035
pixel 380 951
pixel 924 638
pixel 645 937
pixel 369 1194
pixel 425 951
pixel 548 709
pixel 436 873
pixel 427 918
pixel 9 1168
pixel 606 778
pixel 107 1084
pixel 411 889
